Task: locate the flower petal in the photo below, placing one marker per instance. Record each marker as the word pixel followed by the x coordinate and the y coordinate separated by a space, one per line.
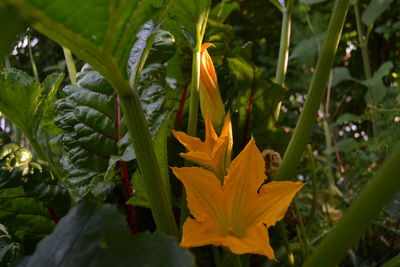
pixel 254 241
pixel 274 200
pixel 189 142
pixel 204 194
pixel 245 176
pixel 196 234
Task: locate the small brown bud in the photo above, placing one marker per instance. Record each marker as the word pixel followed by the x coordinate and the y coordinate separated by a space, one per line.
pixel 272 161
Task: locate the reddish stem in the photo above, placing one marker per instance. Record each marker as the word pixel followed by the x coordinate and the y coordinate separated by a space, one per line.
pixel 130 211
pixel 248 114
pixel 179 115
pixel 53 215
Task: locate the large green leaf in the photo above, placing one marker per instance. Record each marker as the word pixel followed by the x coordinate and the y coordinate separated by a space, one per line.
pixel 26 218
pixel 99 32
pixel 93 234
pixel 88 115
pixel 26 102
pixel 374 10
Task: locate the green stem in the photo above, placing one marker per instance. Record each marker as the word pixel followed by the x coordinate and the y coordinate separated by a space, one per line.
pixel 314 187
pixel 194 95
pixel 315 93
pixel 376 195
pixel 289 253
pixel 148 164
pixel 283 57
pixel 303 232
pixel 217 256
pixel 134 116
pixel 363 42
pixel 194 92
pixel 69 60
pixel 33 63
pixel 366 63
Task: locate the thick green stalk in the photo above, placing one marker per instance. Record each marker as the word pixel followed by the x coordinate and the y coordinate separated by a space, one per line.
pixel 376 195
pixel 69 60
pixel 149 166
pixel 315 93
pixel 148 163
pixel 283 50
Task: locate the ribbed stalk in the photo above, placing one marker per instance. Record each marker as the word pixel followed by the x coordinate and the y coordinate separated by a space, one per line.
pixel 376 195
pixel 148 163
pixel 316 91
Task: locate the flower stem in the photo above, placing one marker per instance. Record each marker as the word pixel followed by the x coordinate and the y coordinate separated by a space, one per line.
pixel 376 195
pixel 283 50
pixel 315 93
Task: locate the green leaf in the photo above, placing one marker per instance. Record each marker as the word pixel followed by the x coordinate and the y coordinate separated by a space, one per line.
pixel 374 10
pixel 18 169
pixel 26 218
pixel 306 51
pixel 223 10
pixel 189 17
pixel 87 115
pixel 340 74
pixel 253 89
pixel 99 32
pixel 26 102
pixel 9 250
pixel 347 144
pixel 376 88
pixel 347 117
pixel 93 234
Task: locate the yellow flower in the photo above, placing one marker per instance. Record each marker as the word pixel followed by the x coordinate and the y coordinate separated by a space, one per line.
pixel 214 153
pixel 234 214
pixel 210 98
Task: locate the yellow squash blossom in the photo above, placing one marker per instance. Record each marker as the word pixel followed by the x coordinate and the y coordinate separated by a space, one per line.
pixel 215 152
pixel 235 213
pixel 210 98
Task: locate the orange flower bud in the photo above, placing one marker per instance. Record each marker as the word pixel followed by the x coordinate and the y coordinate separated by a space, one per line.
pixel 210 98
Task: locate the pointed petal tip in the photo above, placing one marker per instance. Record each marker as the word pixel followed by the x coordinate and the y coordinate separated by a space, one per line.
pixel 206 45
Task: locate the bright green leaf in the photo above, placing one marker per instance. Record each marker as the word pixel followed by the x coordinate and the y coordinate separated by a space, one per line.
pixel 26 102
